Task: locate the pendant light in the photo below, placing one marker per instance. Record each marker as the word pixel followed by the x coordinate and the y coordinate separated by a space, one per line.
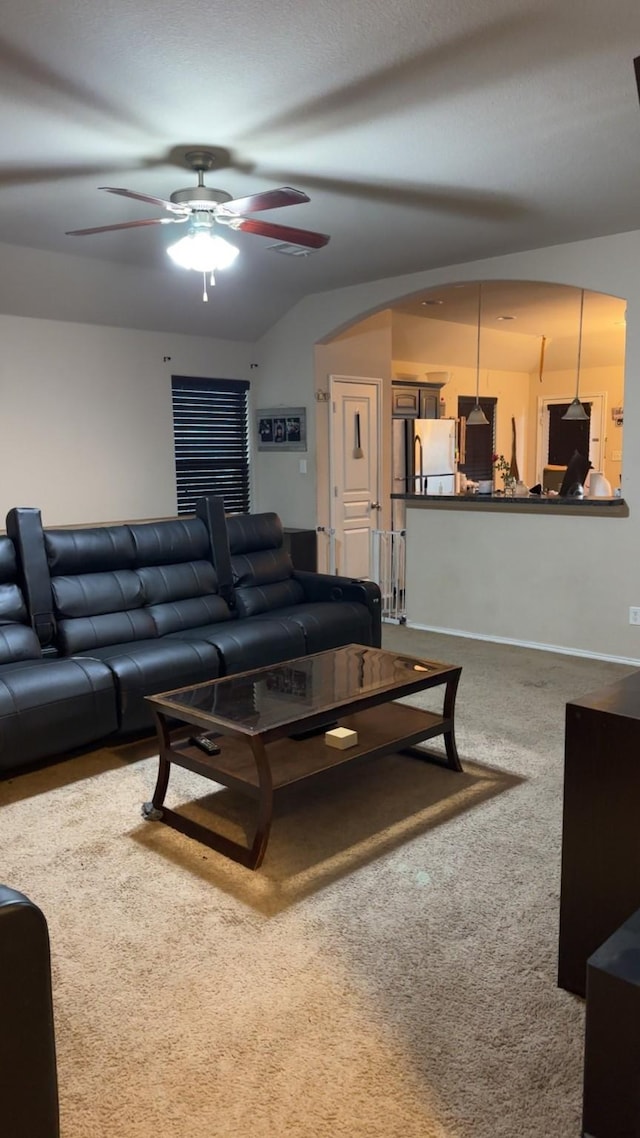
pixel 477 417
pixel 575 411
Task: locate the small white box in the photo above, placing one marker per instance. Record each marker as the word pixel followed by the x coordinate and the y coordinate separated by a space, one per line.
pixel 341 738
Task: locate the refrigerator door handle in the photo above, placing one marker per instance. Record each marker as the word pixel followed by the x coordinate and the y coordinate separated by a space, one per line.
pixel 418 478
pixel 462 440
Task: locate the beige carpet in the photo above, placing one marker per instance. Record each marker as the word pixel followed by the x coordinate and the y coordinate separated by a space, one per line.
pixel 389 972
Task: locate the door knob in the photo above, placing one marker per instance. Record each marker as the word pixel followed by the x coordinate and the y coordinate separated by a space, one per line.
pixel 376 506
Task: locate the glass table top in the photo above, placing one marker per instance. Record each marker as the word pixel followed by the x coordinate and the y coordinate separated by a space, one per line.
pixel 303 688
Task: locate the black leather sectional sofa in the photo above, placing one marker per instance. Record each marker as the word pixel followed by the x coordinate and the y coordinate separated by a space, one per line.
pixel 92 620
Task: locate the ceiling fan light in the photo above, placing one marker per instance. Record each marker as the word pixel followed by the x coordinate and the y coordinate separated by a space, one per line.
pixel 203 252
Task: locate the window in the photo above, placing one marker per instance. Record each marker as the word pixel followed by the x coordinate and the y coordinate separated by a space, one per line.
pixel 567 436
pixel 480 442
pixel 211 440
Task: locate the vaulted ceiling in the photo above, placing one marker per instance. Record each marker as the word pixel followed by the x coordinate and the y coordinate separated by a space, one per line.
pixel 425 132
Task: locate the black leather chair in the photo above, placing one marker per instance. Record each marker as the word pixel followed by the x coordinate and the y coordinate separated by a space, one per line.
pixel 28 1076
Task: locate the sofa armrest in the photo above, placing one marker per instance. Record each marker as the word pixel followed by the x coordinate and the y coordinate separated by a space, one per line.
pixel 28 1078
pixel 326 587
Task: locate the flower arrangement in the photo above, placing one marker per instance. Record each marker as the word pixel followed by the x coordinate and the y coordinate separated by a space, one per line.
pixel 502 466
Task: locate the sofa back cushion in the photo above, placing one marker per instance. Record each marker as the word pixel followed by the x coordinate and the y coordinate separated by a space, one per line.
pixel 12 606
pixel 95 550
pixel 262 569
pixel 173 562
pixel 167 543
pixel 18 641
pixel 97 609
pixel 98 598
pixel 182 596
pixel 118 584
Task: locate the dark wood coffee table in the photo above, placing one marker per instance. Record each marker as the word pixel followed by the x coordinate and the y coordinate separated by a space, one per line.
pixel 269 726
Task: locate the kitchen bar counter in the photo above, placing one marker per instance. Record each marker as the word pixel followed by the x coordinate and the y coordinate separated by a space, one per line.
pixel 534 504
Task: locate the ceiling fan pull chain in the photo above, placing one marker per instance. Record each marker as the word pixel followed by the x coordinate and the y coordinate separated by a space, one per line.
pixel 204 287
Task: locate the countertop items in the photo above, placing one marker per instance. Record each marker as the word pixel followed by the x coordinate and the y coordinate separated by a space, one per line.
pixel 533 504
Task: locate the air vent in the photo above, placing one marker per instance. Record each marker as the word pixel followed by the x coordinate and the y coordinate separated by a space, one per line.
pixel 290 250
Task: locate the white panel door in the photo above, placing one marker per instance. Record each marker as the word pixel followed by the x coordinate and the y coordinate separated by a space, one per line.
pixel 355 472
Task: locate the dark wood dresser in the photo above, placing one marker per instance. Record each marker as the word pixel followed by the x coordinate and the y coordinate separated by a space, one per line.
pixel 600 880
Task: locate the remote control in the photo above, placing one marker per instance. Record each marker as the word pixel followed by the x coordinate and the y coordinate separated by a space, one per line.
pixel 205 744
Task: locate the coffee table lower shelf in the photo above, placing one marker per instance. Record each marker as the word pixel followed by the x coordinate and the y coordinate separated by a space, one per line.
pixel 259 769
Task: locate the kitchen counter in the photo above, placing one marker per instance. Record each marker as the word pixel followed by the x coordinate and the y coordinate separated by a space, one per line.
pixel 533 504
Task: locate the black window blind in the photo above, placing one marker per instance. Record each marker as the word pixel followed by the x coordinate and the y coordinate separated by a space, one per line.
pixel 211 438
pixel 567 435
pixel 480 441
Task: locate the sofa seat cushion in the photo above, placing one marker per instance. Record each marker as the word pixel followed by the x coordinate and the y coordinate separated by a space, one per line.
pixel 325 624
pixel 148 667
pixel 246 644
pixel 51 706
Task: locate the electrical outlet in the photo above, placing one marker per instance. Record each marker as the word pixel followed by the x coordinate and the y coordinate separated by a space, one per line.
pixel 634 615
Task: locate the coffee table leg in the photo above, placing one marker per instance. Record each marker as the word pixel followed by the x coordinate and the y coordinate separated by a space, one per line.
pixel 155 811
pixel 448 712
pixel 152 810
pixel 265 803
pixel 447 731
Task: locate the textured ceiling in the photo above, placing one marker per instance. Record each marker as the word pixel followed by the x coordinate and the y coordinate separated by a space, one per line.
pixel 426 132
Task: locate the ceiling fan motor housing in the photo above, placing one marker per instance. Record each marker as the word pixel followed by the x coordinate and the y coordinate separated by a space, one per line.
pixel 200 197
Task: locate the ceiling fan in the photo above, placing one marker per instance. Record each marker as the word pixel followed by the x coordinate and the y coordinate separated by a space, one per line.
pixel 205 208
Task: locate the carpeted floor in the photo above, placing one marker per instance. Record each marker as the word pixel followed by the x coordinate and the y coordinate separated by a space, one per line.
pixel 388 973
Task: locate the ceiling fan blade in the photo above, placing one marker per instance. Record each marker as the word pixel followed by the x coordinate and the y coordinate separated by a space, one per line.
pixel 22 175
pixel 448 199
pixel 125 225
pixel 270 199
pixel 144 198
pixel 281 232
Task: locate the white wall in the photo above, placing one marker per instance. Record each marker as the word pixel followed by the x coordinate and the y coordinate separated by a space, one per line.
pixel 87 429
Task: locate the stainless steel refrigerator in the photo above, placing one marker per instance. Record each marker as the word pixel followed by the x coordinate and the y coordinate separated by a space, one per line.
pixel 423 460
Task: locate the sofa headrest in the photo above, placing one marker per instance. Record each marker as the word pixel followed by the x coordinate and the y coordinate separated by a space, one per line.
pixel 167 543
pixel 249 533
pixel 95 550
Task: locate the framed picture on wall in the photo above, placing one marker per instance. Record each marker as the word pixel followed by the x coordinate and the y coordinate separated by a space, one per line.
pixel 282 428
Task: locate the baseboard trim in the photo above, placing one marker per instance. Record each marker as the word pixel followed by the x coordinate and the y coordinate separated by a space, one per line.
pixel 558 648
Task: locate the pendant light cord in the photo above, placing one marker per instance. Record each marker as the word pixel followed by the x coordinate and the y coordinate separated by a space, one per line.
pixel 579 345
pixel 478 344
